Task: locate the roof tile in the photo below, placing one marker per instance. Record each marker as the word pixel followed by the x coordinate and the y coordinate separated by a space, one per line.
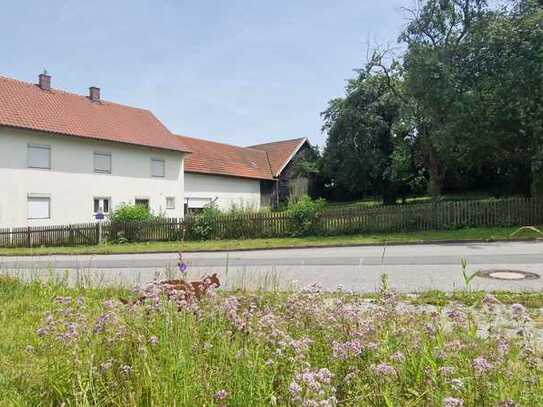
pixel 25 105
pixel 280 152
pixel 209 157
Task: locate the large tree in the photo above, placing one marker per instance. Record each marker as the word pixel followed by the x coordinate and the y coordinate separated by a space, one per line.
pixel 359 155
pixel 509 57
pixel 439 94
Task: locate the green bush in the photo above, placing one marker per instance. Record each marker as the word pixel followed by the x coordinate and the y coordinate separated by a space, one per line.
pixel 128 223
pixel 203 225
pixel 305 214
pixel 131 213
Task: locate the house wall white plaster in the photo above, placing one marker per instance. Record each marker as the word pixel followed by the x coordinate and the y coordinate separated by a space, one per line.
pixel 225 191
pixel 72 183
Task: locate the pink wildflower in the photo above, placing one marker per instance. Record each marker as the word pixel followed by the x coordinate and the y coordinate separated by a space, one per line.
pixel 446 370
pixel 347 350
pixel 398 357
pixel 453 402
pixel 481 365
pixel 384 370
pixel 520 313
pixel 221 395
pixel 457 316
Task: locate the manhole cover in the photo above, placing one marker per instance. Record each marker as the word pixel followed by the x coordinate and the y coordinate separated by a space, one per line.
pixel 507 275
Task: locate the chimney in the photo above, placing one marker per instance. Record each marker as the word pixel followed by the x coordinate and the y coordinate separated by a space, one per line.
pixel 94 94
pixel 44 81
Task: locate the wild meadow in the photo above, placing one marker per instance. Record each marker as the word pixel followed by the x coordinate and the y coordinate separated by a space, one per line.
pixel 62 346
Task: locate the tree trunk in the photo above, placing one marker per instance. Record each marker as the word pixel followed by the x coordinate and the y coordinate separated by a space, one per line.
pixel 437 174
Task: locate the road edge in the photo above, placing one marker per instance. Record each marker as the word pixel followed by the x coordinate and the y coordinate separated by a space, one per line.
pixel 330 246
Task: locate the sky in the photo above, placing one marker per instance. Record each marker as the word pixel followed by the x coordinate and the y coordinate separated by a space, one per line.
pixel 238 72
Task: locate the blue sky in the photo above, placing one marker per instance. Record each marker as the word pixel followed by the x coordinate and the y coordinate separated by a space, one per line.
pixel 240 72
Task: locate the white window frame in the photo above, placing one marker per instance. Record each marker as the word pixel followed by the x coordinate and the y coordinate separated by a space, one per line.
pixel 170 202
pixel 42 147
pixel 102 154
pixel 102 199
pixel 42 197
pixel 163 162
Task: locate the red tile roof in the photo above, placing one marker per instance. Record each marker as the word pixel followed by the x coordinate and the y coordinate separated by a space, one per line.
pixel 25 105
pixel 280 152
pixel 209 157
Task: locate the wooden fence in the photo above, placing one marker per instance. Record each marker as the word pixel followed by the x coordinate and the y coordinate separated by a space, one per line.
pixel 70 235
pixel 400 218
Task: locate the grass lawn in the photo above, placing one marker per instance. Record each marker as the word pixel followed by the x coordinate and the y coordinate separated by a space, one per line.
pixel 453 197
pixel 482 234
pixel 80 346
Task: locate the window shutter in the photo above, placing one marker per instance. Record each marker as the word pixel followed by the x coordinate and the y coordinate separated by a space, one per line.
pixel 39 156
pixel 39 208
pixel 157 168
pixel 102 163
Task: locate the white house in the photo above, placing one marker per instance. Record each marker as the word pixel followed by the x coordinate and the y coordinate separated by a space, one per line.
pixel 65 157
pixel 223 175
pixel 227 176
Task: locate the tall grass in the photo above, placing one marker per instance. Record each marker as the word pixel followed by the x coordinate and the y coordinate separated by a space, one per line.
pixel 81 347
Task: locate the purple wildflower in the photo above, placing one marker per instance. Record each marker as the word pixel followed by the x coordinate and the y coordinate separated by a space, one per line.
pixel 481 365
pixel 183 267
pixel 502 345
pixel 153 340
pixel 221 395
pixel 42 331
pixel 347 350
pixel 324 376
pixel 446 370
pixel 457 384
pixel 490 300
pixel 295 389
pixel 384 370
pixel 453 402
pixel 520 313
pixel 457 316
pixel 398 357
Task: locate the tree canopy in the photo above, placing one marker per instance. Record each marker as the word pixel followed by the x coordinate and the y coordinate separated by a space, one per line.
pixel 460 108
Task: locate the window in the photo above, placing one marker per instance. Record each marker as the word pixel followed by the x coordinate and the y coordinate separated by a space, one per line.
pixel 39 156
pixel 39 206
pixel 142 202
pixel 157 167
pixel 102 163
pixel 101 205
pixel 170 202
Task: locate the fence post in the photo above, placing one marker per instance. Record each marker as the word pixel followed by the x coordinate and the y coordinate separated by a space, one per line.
pixel 98 232
pixel 29 236
pixel 71 237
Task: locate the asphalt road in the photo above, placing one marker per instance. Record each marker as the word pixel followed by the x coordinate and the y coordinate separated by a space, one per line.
pixel 410 268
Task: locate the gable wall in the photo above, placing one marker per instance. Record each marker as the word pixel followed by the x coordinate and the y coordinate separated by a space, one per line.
pixel 282 186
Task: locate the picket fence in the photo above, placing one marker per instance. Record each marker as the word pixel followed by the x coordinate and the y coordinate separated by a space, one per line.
pixel 382 219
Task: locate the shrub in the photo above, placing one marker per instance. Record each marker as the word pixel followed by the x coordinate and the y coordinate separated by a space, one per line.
pixel 203 225
pixel 305 214
pixel 127 223
pixel 131 213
